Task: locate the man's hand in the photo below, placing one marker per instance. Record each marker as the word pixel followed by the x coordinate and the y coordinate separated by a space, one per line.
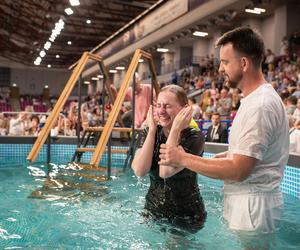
pixel 171 155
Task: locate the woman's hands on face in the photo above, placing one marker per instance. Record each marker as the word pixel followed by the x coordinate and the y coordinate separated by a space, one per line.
pixel 150 119
pixel 183 118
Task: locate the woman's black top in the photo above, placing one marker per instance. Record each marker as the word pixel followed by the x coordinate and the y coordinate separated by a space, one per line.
pixel 176 198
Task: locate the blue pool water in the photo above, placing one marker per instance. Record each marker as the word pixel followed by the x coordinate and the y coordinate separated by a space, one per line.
pixel 89 214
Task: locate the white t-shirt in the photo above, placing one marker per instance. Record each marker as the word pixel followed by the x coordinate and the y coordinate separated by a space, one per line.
pixel 260 130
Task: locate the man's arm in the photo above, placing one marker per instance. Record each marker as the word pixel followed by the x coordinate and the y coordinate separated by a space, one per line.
pixel 237 168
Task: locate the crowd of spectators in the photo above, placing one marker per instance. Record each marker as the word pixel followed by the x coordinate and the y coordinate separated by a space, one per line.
pixel 282 71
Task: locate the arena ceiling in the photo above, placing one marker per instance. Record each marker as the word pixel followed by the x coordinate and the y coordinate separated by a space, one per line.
pixel 25 26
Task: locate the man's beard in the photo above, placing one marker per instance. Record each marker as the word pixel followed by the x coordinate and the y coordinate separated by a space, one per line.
pixel 234 81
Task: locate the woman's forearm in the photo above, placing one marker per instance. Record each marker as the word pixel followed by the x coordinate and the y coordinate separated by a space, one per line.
pixel 173 140
pixel 143 159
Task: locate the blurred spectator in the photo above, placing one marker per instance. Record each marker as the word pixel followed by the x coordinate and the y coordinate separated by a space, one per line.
pixel 142 100
pixel 224 103
pixel 294 136
pixel 34 128
pixel 291 103
pixel 174 77
pixel 296 114
pixel 195 107
pixel 217 132
pixel 127 115
pixel 4 124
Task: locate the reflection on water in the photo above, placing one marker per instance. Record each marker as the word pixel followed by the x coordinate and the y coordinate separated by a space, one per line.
pixel 72 207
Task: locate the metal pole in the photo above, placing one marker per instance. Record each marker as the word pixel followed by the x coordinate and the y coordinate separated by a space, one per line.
pixel 79 110
pixel 103 99
pixel 48 149
pixel 109 157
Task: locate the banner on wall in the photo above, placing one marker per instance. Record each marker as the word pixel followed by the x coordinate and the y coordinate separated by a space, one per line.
pixel 163 15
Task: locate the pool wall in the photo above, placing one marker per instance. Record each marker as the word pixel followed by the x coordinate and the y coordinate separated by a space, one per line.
pixel 16 149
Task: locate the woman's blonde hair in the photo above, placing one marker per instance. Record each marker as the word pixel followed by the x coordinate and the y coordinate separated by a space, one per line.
pixel 178 92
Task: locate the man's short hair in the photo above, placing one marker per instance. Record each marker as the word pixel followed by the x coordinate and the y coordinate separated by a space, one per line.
pixel 246 42
pixel 215 113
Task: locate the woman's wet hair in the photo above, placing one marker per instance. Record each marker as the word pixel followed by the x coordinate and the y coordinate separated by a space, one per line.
pixel 178 92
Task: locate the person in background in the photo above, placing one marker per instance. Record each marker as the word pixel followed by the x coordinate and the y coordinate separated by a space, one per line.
pixel 174 192
pixel 196 109
pixel 17 126
pixel 34 128
pixel 217 132
pixel 142 100
pixel 258 152
pixel 4 124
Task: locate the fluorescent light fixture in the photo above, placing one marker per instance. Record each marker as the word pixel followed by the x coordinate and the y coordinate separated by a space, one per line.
pixel 57 56
pixel 69 42
pixel 42 53
pixel 120 68
pixel 14 85
pixel 162 50
pixel 200 33
pixel 74 2
pixel 86 82
pixel 47 45
pixel 57 29
pixel 113 71
pixel 141 60
pixel 46 86
pixel 260 9
pixel 69 11
pixel 95 78
pixel 88 21
pixel 253 11
pixel 100 76
pixel 38 61
pixel 49 65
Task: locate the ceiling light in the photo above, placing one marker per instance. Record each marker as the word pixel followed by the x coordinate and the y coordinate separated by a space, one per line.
pixel 260 9
pixel 46 86
pixel 95 78
pixel 49 65
pixel 14 85
pixel 162 50
pixel 120 68
pixel 38 61
pixel 69 11
pixel 100 76
pixel 141 60
pixel 74 2
pixel 47 45
pixel 86 82
pixel 88 21
pixel 253 11
pixel 57 56
pixel 200 33
pixel 113 71
pixel 69 42
pixel 42 53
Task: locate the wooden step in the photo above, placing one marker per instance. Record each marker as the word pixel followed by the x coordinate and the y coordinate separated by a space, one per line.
pixel 116 151
pixel 85 150
pixel 118 129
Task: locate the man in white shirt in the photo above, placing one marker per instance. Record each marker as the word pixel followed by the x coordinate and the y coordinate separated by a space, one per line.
pixel 258 142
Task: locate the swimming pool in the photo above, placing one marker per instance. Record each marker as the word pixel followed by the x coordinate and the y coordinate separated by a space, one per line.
pixel 106 215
